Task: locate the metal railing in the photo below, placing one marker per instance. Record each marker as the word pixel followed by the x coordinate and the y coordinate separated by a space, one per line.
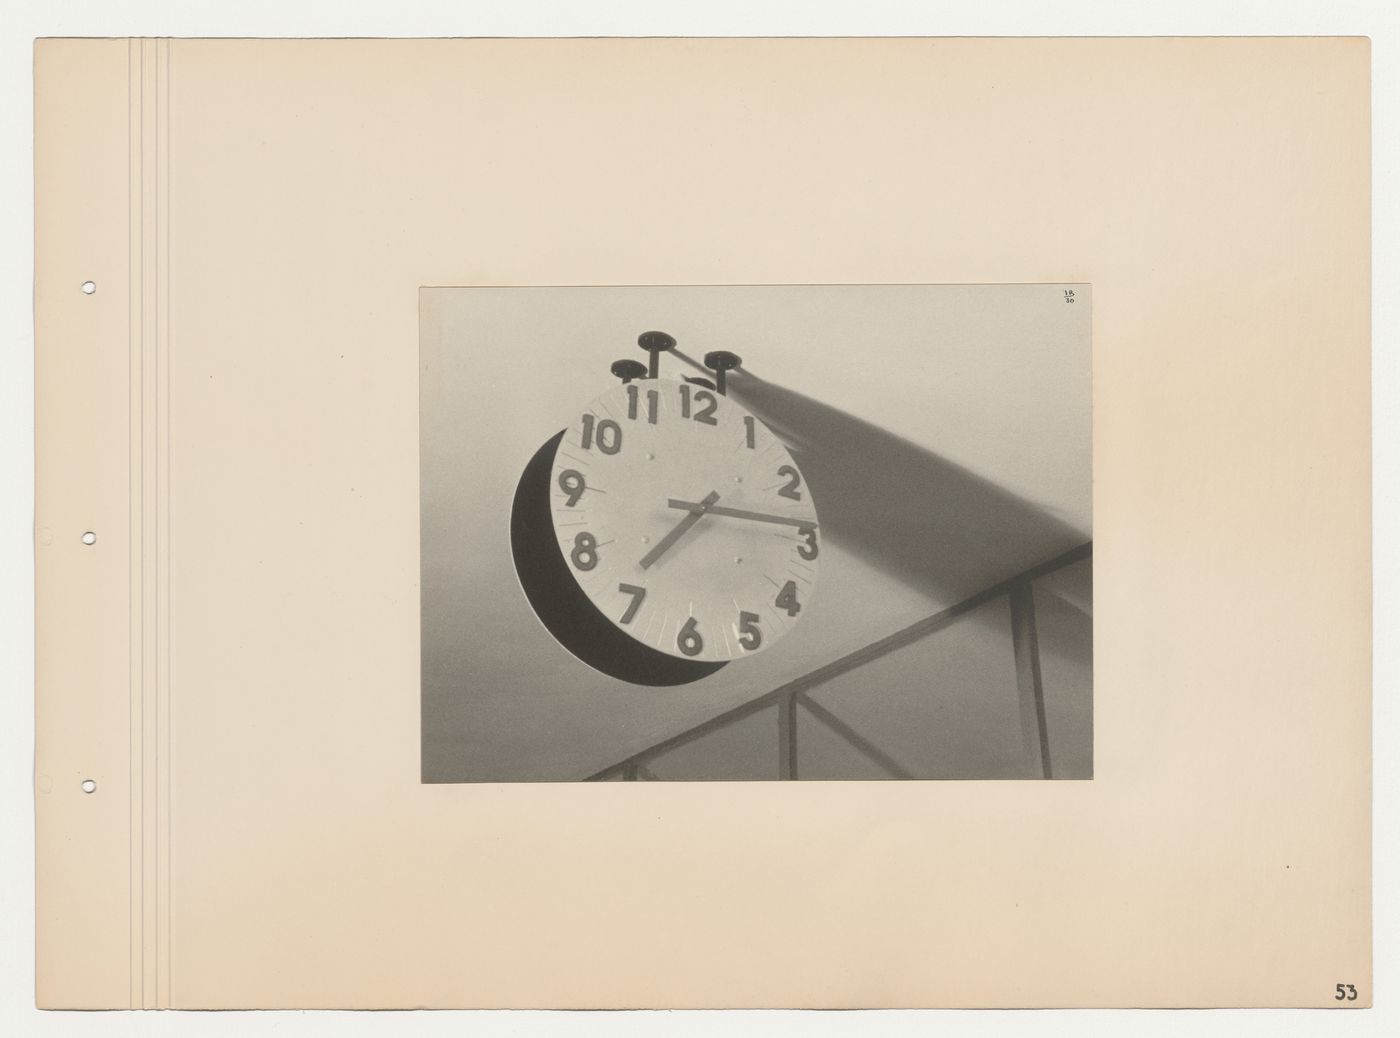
pixel 1030 689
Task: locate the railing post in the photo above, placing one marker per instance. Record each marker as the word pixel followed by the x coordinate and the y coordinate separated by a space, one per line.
pixel 1034 732
pixel 787 736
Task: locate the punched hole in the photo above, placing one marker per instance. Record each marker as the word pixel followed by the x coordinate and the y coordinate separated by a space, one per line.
pixel 89 538
pixel 89 786
pixel 89 287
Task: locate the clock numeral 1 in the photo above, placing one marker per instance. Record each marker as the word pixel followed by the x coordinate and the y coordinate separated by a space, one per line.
pixel 749 635
pixel 571 482
pixel 809 549
pixel 794 481
pixel 707 401
pixel 652 399
pixel 688 639
pixel 749 436
pixel 637 593
pixel 585 553
pixel 787 599
pixel 609 435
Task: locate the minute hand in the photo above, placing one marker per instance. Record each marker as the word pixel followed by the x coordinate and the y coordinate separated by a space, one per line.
pixel 741 513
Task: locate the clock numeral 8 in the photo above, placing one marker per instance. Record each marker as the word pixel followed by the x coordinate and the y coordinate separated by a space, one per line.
pixel 609 434
pixel 688 639
pixel 749 635
pixel 585 553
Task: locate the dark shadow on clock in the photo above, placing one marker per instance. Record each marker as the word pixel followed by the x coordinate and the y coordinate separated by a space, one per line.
pixel 559 602
pixel 919 518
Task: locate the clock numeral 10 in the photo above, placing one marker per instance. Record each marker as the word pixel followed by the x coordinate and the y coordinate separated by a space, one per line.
pixel 637 593
pixel 652 398
pixel 688 639
pixel 706 402
pixel 787 599
pixel 609 434
pixel 749 635
pixel 585 553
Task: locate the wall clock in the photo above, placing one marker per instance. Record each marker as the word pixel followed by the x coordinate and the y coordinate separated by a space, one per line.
pixel 681 534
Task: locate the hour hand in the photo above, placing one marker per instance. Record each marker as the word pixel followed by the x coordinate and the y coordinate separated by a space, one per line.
pixel 697 512
pixel 743 513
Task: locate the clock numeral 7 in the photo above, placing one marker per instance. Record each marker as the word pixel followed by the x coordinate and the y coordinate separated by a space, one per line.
pixel 637 593
pixel 794 481
pixel 609 434
pixel 750 637
pixel 787 599
pixel 688 639
pixel 707 402
pixel 652 397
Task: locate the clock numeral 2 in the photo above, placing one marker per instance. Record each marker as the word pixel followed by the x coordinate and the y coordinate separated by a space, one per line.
pixel 809 549
pixel 707 402
pixel 794 481
pixel 749 635
pixel 688 639
pixel 637 593
pixel 652 398
pixel 571 482
pixel 609 435
pixel 585 553
pixel 787 599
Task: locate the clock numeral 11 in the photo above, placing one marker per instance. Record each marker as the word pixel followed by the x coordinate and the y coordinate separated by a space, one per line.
pixel 652 399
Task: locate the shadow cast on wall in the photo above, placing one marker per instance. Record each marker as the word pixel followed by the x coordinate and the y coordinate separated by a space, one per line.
pixel 918 518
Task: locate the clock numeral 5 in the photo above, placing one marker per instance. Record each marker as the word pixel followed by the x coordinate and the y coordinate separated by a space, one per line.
pixel 585 553
pixel 571 482
pixel 637 593
pixel 809 549
pixel 750 637
pixel 652 398
pixel 787 599
pixel 609 434
pixel 794 481
pixel 705 399
pixel 688 639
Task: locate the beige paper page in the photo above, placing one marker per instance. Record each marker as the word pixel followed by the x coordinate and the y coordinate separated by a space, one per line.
pixel 233 412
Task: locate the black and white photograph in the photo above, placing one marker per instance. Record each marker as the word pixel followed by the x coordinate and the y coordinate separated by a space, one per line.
pixel 759 532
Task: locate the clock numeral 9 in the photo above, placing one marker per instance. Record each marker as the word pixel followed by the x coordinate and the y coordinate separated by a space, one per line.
pixel 652 397
pixel 794 481
pixel 749 635
pixel 585 553
pixel 809 549
pixel 637 593
pixel 707 402
pixel 609 434
pixel 571 482
pixel 688 639
pixel 787 599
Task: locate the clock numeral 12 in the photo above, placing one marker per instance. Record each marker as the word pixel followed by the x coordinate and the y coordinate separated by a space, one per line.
pixel 705 399
pixel 688 639
pixel 750 637
pixel 637 593
pixel 609 435
pixel 652 399
pixel 787 599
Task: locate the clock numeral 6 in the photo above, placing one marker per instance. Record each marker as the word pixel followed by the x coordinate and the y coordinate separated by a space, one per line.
pixel 707 402
pixel 808 550
pixel 571 482
pixel 585 553
pixel 794 481
pixel 637 593
pixel 749 635
pixel 688 639
pixel 609 434
pixel 787 599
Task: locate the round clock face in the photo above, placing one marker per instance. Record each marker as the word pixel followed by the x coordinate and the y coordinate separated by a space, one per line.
pixel 684 520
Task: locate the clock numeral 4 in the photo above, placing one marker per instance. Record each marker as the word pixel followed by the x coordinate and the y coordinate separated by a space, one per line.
pixel 585 553
pixel 808 550
pixel 652 399
pixel 572 483
pixel 787 599
pixel 794 481
pixel 688 639
pixel 609 434
pixel 750 637
pixel 705 401
pixel 637 593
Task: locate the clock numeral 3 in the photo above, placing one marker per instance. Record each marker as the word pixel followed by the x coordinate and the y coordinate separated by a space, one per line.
pixel 609 435
pixel 749 635
pixel 809 549
pixel 794 481
pixel 637 593
pixel 706 401
pixel 688 639
pixel 652 398
pixel 585 553
pixel 571 482
pixel 787 599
